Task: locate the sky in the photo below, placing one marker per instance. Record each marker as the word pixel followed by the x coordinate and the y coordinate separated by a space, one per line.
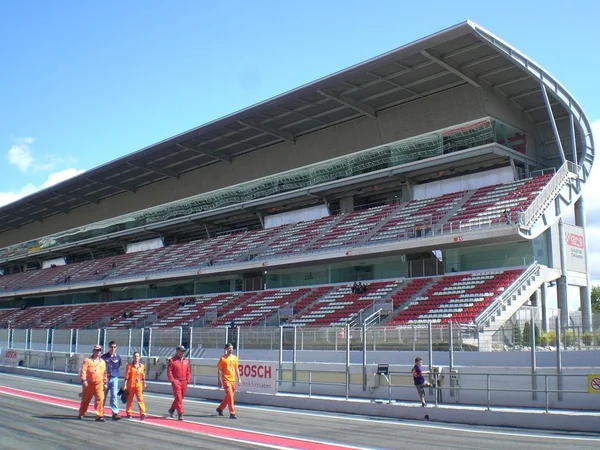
pixel 83 83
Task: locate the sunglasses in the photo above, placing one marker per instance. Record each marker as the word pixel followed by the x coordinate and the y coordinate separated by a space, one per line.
pixel 113 346
pixel 97 350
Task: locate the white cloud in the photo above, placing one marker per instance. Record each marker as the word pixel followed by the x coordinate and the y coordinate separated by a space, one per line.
pixel 53 178
pixel 19 153
pixel 57 177
pixel 9 197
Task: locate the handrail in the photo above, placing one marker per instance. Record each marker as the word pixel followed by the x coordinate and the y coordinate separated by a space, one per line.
pixel 503 298
pixel 561 174
pixel 371 319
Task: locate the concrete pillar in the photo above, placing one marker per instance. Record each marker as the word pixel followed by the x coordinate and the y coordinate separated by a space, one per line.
pixel 561 283
pixel 561 296
pixel 584 292
pixel 347 204
pixel 544 307
pixel 535 298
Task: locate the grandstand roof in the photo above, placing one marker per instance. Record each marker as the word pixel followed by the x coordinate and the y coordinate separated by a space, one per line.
pixel 465 53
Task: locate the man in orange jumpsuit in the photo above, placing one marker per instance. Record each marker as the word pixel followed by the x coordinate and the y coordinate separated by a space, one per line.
pixel 178 373
pixel 93 379
pixel 135 383
pixel 228 374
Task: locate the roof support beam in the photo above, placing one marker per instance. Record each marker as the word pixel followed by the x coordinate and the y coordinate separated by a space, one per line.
pixel 478 61
pixel 281 134
pixel 346 101
pixel 524 93
pixel 49 208
pixel 552 121
pixel 157 169
pixel 495 71
pixel 22 216
pixel 466 49
pixel 123 187
pixel 393 83
pixel 83 198
pixel 514 80
pixel 536 108
pixel 204 151
pixel 450 66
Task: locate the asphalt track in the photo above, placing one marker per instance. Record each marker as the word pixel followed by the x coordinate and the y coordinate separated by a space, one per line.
pixel 42 414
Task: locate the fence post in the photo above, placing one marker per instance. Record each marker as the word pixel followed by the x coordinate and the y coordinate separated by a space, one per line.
pixel 533 359
pixel 191 342
pixel 559 383
pixel 76 340
pixel 129 344
pixel 488 391
pixel 347 361
pixel 364 350
pixel 450 356
pixel 294 355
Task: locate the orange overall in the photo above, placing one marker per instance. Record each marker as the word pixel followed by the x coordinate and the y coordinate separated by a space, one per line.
pixel 178 373
pixel 135 378
pixel 228 365
pixel 94 372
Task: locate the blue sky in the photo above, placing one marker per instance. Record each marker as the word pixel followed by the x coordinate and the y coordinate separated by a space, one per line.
pixel 83 83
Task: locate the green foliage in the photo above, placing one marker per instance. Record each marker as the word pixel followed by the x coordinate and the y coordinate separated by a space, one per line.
pixel 548 338
pixel 517 335
pixel 527 334
pixel 595 294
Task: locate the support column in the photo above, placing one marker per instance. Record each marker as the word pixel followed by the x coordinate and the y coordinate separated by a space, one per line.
pixel 584 292
pixel 561 283
pixel 544 307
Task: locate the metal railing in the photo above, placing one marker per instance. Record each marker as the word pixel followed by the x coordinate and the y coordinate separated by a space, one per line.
pixel 550 190
pixel 505 297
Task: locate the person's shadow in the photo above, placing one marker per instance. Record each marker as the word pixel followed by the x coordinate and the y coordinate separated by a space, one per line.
pixel 58 417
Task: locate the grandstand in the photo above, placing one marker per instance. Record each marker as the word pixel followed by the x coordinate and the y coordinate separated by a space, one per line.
pixel 436 174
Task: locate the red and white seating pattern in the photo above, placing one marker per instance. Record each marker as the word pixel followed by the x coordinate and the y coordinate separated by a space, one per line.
pixel 488 204
pixel 352 227
pixel 458 297
pixel 426 213
pixel 341 305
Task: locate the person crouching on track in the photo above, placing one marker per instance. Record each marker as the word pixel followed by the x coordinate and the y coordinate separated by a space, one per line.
pixel 113 364
pixel 135 383
pixel 93 380
pixel 228 374
pixel 179 375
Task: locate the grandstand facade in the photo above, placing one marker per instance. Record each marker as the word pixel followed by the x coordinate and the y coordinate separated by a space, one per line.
pixel 436 174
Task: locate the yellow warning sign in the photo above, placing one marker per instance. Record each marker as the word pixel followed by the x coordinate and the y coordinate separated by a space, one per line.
pixel 594 383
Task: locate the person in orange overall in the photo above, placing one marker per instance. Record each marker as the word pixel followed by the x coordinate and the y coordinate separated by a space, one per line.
pixel 135 383
pixel 93 379
pixel 179 375
pixel 228 374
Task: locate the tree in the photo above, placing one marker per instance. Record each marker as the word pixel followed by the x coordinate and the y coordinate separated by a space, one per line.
pixel 595 299
pixel 527 334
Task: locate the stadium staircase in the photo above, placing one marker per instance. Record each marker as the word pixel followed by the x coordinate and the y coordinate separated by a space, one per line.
pixel 562 190
pixel 507 304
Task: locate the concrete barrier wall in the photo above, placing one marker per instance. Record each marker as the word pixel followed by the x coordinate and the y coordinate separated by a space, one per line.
pixel 510 385
pixel 555 420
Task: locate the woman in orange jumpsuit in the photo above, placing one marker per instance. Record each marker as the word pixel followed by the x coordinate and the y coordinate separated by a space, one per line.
pixel 135 383
pixel 93 379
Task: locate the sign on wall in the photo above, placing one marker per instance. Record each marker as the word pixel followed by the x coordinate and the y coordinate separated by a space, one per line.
pixel 575 248
pixel 10 357
pixel 259 377
pixel 593 384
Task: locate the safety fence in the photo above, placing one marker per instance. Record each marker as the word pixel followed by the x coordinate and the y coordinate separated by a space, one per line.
pixel 514 335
